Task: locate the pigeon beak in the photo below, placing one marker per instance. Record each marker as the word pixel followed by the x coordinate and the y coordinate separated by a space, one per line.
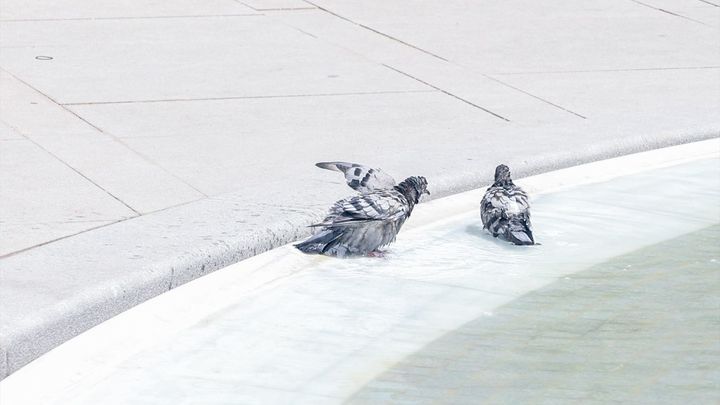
pixel 427 191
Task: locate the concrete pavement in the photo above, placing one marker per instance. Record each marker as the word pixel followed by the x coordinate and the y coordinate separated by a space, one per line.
pixel 143 145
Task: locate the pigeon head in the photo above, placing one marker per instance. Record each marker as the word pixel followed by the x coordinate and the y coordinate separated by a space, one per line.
pixel 413 188
pixel 502 176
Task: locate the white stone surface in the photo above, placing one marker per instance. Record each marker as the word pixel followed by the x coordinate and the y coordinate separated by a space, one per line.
pixel 138 182
pixel 81 9
pixel 631 96
pixel 707 15
pixel 269 5
pixel 415 88
pixel 32 208
pixel 529 36
pixel 8 133
pixel 699 11
pixel 161 59
pixel 265 141
pixel 34 114
pixel 284 327
pixel 468 84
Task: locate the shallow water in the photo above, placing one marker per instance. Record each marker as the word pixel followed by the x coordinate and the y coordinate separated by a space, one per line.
pixel 326 330
pixel 641 327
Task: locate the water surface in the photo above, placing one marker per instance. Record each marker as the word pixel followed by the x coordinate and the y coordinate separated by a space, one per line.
pixel 642 327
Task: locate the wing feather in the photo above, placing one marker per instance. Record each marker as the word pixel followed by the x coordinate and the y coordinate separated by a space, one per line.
pixel 377 206
pixel 359 177
pixel 500 203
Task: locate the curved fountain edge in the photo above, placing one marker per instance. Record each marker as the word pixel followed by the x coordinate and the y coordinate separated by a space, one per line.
pixel 100 280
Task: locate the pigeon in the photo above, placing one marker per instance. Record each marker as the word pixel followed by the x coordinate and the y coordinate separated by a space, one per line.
pixel 362 224
pixel 505 210
pixel 361 178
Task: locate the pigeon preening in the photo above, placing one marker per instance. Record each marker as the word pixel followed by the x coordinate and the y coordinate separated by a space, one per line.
pixel 361 178
pixel 505 210
pixel 361 225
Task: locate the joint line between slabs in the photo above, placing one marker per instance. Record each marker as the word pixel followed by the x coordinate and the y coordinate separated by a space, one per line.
pixel 535 97
pixel 110 222
pixel 376 31
pixel 605 70
pixel 276 8
pixel 172 100
pixel 448 93
pixel 710 3
pixel 668 12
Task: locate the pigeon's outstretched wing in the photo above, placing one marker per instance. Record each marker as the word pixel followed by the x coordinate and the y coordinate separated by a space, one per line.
pixel 361 178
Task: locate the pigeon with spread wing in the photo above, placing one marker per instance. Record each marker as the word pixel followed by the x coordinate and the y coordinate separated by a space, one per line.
pixel 362 224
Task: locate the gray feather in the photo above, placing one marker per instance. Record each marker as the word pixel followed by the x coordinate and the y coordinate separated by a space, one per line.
pixel 505 210
pixel 364 223
pixel 360 177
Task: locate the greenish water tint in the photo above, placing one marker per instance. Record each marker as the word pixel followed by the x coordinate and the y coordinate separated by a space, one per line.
pixel 641 328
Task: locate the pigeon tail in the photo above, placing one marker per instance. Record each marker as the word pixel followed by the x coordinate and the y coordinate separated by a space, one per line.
pixel 518 232
pixel 320 243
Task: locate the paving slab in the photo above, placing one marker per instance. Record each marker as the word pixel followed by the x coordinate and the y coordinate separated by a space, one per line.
pixel 265 140
pixel 274 5
pixel 198 58
pixel 81 9
pixel 217 145
pixel 620 92
pixel 631 96
pixel 139 183
pixel 526 36
pixel 21 105
pixel 7 133
pixel 708 16
pixel 468 85
pixel 32 210
pixel 698 11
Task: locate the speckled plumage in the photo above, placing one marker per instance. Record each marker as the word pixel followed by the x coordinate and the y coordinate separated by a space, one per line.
pixel 360 177
pixel 363 224
pixel 505 210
